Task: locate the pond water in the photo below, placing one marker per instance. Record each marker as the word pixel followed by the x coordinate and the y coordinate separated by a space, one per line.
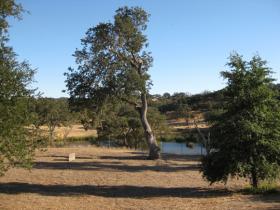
pixel 170 148
pixel 181 148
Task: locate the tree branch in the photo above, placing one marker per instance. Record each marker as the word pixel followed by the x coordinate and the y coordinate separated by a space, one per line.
pixel 206 141
pixel 122 57
pixel 133 103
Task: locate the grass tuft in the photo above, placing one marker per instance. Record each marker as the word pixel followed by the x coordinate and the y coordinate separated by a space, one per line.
pixel 264 188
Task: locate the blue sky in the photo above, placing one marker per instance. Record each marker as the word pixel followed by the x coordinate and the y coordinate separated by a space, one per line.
pixel 190 40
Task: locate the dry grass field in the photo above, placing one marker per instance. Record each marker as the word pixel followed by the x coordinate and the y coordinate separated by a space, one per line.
pixel 76 130
pixel 103 179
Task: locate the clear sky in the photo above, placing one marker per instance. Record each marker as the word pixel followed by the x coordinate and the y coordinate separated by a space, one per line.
pixel 190 40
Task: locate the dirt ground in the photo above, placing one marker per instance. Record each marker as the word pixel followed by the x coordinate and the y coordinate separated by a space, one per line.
pixel 104 179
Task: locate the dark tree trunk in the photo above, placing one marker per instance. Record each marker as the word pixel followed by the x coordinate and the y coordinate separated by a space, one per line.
pixel 254 174
pixel 254 178
pixel 154 150
pixel 51 135
pixel 125 141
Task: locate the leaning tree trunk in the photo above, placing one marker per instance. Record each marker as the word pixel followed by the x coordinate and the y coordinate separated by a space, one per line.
pixel 154 150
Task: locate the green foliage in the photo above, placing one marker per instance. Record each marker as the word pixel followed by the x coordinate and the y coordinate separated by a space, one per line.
pixel 86 118
pixel 112 62
pixel 178 103
pixel 52 113
pixel 245 136
pixel 91 139
pixel 70 141
pixel 121 124
pixel 8 8
pixel 17 142
pixel 113 65
pixel 263 188
pixel 158 122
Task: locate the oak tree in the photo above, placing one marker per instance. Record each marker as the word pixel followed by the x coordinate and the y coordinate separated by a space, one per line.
pixel 16 142
pixel 114 63
pixel 245 137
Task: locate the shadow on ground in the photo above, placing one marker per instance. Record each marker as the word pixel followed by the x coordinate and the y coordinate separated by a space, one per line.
pixel 65 157
pixel 143 156
pixel 138 157
pixel 267 198
pixel 131 156
pixel 113 166
pixel 122 191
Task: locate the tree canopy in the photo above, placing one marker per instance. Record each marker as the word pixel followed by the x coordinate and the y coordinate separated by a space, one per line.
pixel 8 8
pixel 113 65
pixel 16 142
pixel 51 112
pixel 245 137
pixel 112 62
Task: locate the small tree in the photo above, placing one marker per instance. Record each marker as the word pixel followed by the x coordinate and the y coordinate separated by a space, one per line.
pixel 117 125
pixel 245 138
pixel 121 124
pixel 86 119
pixel 114 64
pixel 89 118
pixel 52 113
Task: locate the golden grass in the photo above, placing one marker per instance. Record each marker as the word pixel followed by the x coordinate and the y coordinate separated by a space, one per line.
pixel 72 131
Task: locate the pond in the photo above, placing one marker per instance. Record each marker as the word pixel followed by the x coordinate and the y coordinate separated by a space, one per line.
pixel 181 148
pixel 170 148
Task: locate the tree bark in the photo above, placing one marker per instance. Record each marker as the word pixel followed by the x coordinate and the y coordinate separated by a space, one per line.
pixel 51 135
pixel 154 150
pixel 254 179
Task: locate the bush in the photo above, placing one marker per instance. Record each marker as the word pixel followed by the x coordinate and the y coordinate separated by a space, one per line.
pixel 75 140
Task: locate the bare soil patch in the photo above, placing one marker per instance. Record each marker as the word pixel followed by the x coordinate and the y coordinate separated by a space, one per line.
pixel 103 178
